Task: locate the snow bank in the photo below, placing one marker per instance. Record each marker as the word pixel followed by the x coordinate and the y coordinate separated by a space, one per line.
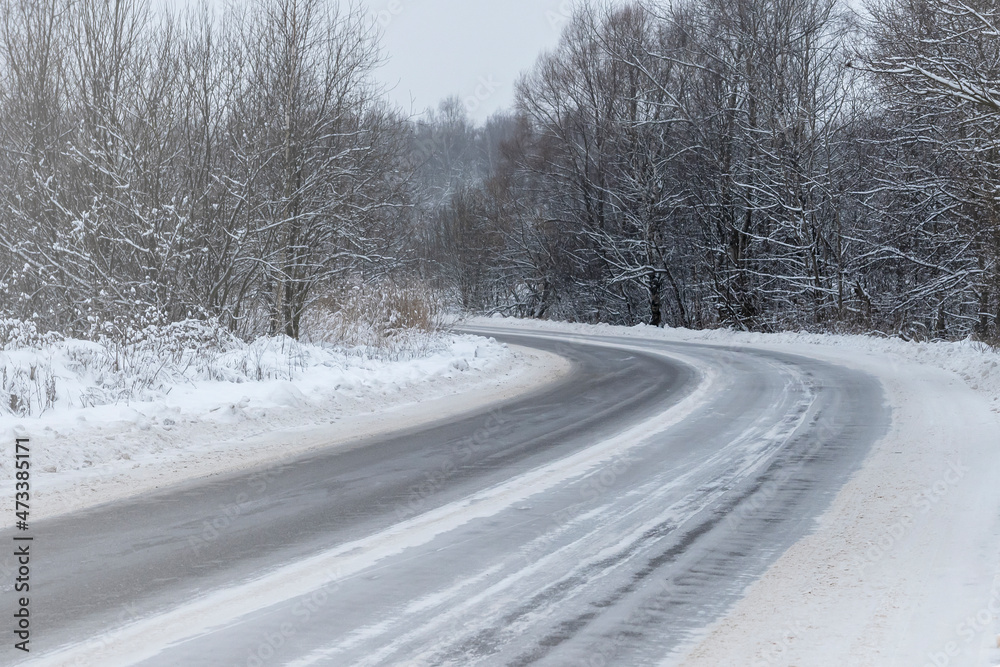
pixel 106 422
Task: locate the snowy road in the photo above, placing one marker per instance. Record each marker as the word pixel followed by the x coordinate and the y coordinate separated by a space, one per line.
pixel 605 519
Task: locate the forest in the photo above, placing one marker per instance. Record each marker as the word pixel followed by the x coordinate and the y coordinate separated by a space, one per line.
pixel 761 165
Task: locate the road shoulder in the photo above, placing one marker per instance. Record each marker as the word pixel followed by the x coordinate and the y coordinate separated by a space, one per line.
pixel 906 554
pixel 204 449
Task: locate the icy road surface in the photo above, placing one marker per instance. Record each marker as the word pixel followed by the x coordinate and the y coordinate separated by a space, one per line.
pixel 603 520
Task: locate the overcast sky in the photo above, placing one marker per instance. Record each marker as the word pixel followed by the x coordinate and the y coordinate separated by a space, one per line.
pixel 471 48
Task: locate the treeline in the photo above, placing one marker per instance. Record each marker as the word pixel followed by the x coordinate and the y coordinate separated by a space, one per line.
pixel 211 164
pixel 760 164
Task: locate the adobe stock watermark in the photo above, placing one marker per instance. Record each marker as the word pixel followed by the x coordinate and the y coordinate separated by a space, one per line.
pixel 966 632
pixel 558 18
pixel 605 654
pixel 387 14
pixel 485 88
pixel 230 514
pixel 591 489
pixel 775 653
pixel 429 144
pixel 921 504
pixel 265 648
pixel 462 452
pixel 105 642
pixel 596 485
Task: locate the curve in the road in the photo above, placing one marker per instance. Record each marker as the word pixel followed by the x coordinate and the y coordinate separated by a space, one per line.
pixel 607 517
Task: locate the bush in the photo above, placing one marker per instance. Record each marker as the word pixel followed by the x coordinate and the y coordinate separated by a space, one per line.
pixel 125 359
pixel 125 363
pixel 385 320
pixel 19 334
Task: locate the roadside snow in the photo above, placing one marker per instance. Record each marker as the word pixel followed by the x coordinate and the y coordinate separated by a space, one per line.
pixel 82 456
pixel 976 364
pixel 904 567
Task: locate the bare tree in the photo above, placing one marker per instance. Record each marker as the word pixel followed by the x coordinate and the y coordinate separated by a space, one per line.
pixel 936 242
pixel 33 97
pixel 166 166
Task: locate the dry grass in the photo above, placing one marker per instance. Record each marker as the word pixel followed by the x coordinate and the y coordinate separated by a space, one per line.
pixel 387 320
pixel 123 362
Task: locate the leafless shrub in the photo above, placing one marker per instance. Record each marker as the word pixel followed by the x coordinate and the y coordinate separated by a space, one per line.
pixel 385 319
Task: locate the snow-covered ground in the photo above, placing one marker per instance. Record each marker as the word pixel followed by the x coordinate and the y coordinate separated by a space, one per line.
pixel 904 568
pixel 187 426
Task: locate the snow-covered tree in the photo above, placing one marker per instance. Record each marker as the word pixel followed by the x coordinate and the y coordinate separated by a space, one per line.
pixel 935 199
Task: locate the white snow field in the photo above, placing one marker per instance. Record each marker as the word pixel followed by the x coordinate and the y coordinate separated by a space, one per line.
pixel 186 426
pixel 904 567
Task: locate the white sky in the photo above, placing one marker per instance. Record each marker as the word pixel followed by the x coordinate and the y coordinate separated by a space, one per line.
pixel 471 48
